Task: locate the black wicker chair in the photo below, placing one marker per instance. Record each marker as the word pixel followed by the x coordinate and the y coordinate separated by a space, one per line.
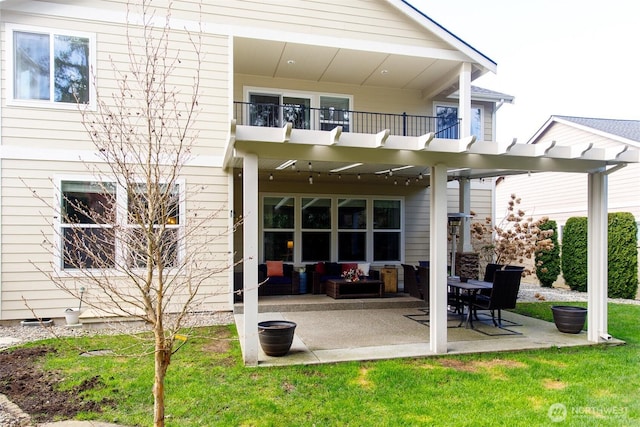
pixel 411 281
pixel 506 284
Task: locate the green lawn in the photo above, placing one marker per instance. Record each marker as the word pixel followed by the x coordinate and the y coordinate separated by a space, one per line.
pixel 207 384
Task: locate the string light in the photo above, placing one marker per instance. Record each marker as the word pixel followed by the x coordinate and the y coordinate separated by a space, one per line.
pixel 270 177
pixel 358 176
pixel 310 179
pixel 310 167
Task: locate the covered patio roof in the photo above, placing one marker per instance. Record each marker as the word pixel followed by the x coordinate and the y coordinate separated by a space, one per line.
pixel 255 148
pixel 464 158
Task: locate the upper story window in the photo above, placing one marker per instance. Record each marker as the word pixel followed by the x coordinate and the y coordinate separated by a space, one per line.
pixel 50 67
pixel 447 122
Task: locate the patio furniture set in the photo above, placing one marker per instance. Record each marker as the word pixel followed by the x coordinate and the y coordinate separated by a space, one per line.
pixel 497 291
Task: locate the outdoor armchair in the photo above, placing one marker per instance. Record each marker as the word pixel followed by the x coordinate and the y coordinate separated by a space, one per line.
pixel 506 284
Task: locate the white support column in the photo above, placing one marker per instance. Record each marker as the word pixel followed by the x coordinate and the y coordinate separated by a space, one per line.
pixel 464 202
pixel 597 259
pixel 438 261
pixel 250 263
pixel 464 107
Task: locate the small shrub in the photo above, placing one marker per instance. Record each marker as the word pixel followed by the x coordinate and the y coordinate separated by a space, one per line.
pixel 574 253
pixel 512 242
pixel 548 258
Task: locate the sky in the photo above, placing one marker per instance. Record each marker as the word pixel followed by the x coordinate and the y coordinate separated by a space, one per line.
pixel 557 57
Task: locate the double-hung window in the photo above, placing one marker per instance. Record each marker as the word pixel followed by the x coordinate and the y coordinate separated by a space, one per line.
pixel 50 67
pixel 352 229
pixel 92 211
pixel 316 229
pixel 153 219
pixel 88 214
pixel 279 225
pixel 387 230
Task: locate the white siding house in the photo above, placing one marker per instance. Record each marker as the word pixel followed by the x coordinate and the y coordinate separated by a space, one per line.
pixel 364 107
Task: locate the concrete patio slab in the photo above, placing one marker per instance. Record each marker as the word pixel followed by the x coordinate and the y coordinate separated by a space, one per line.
pixel 328 336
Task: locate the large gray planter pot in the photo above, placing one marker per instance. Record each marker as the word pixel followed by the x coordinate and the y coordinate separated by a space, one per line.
pixel 569 319
pixel 276 336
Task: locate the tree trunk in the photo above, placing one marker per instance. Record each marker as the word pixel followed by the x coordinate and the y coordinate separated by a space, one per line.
pixel 161 361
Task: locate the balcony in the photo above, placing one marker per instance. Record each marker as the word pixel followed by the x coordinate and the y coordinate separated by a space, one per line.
pixel 304 117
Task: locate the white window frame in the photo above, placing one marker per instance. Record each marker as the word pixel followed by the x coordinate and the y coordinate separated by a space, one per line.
pixel 297 230
pixel 457 106
pixel 121 218
pixel 313 96
pixel 10 29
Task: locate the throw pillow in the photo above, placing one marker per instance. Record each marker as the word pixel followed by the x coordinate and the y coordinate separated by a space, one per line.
pixel 364 268
pixel 275 268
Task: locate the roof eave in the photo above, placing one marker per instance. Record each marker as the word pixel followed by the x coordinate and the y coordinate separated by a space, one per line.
pixel 421 18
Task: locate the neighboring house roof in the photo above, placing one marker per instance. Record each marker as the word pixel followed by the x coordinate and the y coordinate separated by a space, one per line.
pixel 482 94
pixel 625 131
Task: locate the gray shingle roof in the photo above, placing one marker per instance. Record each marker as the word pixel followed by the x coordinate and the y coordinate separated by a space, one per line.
pixel 480 91
pixel 629 129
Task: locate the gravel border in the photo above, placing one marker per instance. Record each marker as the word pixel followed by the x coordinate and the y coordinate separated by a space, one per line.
pixel 18 334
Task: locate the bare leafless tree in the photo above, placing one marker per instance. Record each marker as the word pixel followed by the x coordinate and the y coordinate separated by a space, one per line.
pixel 129 236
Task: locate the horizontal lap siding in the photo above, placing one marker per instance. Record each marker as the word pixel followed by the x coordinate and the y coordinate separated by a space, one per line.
pixel 394 101
pixel 24 219
pixel 372 20
pixel 417 218
pixel 45 127
pixel 25 222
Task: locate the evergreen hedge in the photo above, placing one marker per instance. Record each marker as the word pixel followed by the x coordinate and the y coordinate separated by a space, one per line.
pixel 574 253
pixel 622 253
pixel 548 261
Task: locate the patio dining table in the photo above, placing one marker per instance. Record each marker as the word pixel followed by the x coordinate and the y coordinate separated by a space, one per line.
pixel 471 288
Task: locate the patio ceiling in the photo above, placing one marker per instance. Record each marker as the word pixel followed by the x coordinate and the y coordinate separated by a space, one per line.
pixel 370 155
pixel 436 73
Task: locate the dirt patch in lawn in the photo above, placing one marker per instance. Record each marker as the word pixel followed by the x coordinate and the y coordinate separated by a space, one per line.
pixel 36 391
pixel 476 366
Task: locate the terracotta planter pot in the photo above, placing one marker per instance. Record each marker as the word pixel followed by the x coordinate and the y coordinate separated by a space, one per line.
pixel 276 336
pixel 569 319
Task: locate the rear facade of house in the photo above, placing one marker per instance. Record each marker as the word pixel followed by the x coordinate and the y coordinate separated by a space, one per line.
pixel 360 67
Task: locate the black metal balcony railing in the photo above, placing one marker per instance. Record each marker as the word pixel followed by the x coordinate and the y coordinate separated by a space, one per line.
pixel 304 117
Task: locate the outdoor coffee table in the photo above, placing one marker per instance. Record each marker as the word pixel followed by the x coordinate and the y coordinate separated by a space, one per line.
pixel 368 288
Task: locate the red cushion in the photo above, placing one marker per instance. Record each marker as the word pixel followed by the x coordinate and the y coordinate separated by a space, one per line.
pixel 320 268
pixel 275 268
